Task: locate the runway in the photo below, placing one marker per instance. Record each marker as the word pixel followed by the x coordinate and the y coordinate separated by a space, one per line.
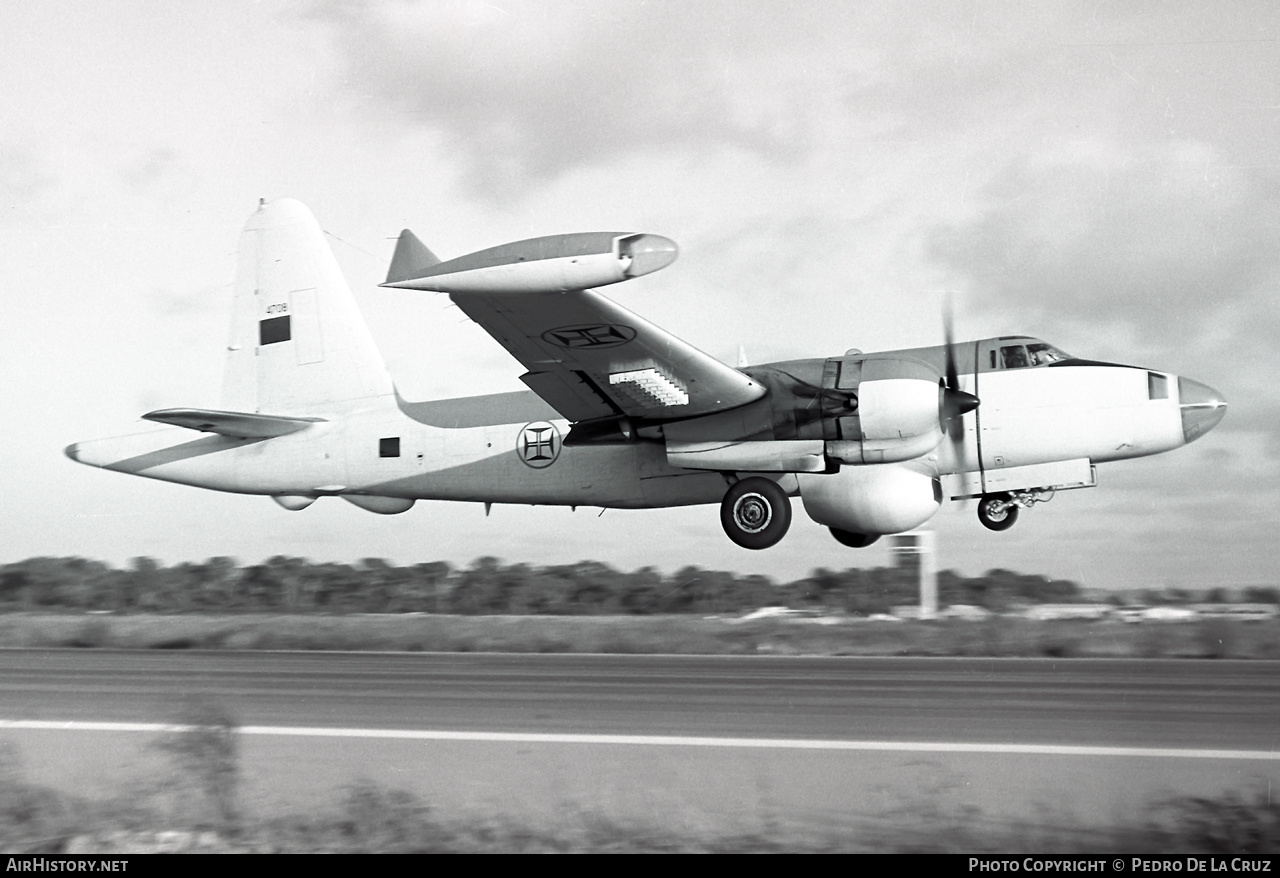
pixel 729 742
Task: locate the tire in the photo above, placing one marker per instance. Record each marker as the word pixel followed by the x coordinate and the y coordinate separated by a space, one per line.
pixel 996 521
pixel 755 513
pixel 853 540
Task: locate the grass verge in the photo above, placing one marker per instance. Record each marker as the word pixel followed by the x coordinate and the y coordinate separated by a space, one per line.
pixel 367 818
pixel 196 808
pixel 996 636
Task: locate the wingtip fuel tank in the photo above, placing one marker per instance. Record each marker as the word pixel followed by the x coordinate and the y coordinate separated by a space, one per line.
pixel 556 263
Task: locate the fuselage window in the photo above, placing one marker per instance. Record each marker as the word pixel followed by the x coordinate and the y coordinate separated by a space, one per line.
pixel 1157 386
pixel 389 447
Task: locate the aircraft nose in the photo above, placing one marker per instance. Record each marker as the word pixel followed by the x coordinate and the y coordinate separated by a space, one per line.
pixel 1202 408
pixel 73 451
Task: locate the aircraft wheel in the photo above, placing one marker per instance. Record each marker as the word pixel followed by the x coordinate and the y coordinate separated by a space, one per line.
pixel 853 540
pixel 992 516
pixel 755 513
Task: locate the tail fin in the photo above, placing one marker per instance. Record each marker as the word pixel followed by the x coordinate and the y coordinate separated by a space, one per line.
pixel 298 341
pixel 411 259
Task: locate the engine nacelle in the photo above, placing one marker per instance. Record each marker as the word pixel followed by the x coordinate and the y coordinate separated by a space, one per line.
pixel 896 416
pixel 873 499
pixel 898 399
pixel 819 414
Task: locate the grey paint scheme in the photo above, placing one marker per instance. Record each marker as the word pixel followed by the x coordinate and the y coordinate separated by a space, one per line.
pixel 520 322
pixel 479 411
pixel 633 476
pixel 525 406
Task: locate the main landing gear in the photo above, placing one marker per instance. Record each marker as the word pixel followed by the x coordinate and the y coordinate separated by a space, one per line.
pixel 1000 511
pixel 755 513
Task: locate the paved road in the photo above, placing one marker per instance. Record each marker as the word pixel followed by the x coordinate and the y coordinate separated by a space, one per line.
pixel 1172 705
pixel 1088 702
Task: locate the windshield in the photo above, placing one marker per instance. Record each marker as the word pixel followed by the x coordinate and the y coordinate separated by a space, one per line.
pixel 1016 356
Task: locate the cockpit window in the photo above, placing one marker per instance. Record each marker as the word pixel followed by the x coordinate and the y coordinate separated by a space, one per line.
pixel 1042 354
pixel 1018 356
pixel 1014 356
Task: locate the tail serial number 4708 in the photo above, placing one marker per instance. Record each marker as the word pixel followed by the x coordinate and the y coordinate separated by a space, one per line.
pixel 621 414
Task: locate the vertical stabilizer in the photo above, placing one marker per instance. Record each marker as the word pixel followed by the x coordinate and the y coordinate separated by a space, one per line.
pixel 298 342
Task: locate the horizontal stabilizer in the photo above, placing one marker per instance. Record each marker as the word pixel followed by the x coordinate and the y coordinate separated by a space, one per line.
pixel 237 425
pixel 412 259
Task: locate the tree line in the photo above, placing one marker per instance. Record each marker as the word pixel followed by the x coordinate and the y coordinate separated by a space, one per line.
pixel 486 586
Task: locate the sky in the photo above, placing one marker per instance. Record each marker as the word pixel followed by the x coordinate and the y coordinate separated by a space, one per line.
pixel 1103 175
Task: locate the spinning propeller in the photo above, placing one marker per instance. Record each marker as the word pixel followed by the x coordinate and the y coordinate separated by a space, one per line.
pixel 954 402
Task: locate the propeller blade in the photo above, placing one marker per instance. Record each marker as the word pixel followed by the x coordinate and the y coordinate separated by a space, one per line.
pixel 955 402
pixel 953 377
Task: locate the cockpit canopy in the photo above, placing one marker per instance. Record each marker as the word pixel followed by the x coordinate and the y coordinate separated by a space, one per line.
pixel 1022 353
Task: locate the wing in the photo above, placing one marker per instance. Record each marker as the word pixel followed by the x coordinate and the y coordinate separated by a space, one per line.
pixel 591 358
pixel 587 356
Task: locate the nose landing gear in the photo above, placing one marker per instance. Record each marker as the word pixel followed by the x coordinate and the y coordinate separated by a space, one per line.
pixel 1000 511
pixel 997 511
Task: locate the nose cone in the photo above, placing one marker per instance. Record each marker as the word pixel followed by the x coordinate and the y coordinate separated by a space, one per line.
pixel 1202 408
pixel 73 451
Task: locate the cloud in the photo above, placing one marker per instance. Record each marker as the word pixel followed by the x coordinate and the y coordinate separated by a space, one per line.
pixel 530 90
pixel 142 172
pixel 27 186
pixel 1163 240
pixel 1163 256
pixel 188 301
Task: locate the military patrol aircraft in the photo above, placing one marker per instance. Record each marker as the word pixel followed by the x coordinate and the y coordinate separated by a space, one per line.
pixel 621 414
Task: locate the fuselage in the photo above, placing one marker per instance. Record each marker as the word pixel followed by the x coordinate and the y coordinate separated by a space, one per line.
pixel 504 448
pixel 510 448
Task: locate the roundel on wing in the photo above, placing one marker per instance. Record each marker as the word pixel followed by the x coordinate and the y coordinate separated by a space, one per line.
pixel 538 445
pixel 589 335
